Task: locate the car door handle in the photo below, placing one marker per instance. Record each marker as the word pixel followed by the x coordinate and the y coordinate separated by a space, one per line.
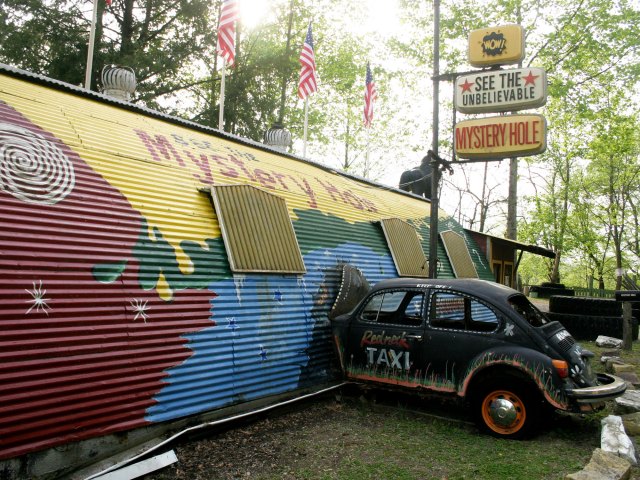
pixel 414 337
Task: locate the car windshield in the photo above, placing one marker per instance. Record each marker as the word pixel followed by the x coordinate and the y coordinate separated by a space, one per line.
pixel 525 308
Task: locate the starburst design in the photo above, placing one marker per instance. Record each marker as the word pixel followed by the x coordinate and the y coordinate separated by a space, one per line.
pixel 508 330
pixel 140 308
pixel 39 300
pixel 277 296
pixel 233 324
pixel 263 353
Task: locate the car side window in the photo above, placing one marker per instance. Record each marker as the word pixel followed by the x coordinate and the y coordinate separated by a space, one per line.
pixel 447 311
pixel 483 319
pixel 458 312
pixel 399 307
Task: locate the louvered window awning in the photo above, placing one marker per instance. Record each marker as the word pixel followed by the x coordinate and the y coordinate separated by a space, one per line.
pixel 406 248
pixel 257 230
pixel 459 256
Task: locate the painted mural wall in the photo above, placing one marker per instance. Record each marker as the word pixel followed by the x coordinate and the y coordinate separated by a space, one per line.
pixel 117 305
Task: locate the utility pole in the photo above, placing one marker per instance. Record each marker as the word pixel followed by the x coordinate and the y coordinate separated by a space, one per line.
pixel 283 90
pixel 512 199
pixel 435 172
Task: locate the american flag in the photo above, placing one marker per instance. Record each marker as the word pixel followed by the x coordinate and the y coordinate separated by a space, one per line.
pixel 227 31
pixel 308 81
pixel 370 96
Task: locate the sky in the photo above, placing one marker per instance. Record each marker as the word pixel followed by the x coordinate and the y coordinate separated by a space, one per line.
pixel 382 17
pixel 383 21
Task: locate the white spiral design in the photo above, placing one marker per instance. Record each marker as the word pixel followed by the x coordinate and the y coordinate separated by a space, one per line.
pixel 32 168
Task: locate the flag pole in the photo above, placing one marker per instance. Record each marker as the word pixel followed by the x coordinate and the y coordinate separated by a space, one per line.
pixel 366 156
pixel 306 122
pixel 221 113
pixel 92 41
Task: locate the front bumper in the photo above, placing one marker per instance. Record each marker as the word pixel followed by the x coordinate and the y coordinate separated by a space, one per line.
pixel 608 388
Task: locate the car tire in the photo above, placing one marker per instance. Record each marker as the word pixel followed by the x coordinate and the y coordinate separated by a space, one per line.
pixel 589 327
pixel 546 292
pixel 604 307
pixel 507 409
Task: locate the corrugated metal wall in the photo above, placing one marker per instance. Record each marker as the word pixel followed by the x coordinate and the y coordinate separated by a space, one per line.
pixel 117 303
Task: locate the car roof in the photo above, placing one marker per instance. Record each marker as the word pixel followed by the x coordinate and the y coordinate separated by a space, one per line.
pixel 490 291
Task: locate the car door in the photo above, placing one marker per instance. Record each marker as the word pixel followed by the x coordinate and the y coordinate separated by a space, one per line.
pixel 459 327
pixel 384 338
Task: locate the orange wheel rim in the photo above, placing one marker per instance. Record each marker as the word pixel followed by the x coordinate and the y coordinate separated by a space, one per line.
pixel 503 412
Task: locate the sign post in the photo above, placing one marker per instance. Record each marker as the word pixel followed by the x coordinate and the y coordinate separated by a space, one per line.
pixel 627 297
pixel 496 90
pixel 627 332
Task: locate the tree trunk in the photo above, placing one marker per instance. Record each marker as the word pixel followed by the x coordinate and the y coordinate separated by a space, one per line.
pixel 512 202
pixel 484 202
pixel 345 165
pixel 126 47
pixel 554 277
pixel 618 249
pixel 98 59
pixel 231 107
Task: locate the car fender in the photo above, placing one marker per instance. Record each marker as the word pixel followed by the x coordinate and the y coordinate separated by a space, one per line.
pixel 533 365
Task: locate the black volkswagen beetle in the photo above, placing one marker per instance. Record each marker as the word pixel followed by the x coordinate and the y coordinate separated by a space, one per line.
pixel 475 340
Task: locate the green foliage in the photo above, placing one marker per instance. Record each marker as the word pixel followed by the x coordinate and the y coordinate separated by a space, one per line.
pixel 46 38
pixel 159 39
pixel 587 55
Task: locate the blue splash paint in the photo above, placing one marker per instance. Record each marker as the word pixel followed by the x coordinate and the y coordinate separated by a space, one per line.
pixel 272 334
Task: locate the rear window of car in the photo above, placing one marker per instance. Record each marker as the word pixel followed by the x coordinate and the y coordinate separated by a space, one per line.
pixel 460 312
pixel 528 311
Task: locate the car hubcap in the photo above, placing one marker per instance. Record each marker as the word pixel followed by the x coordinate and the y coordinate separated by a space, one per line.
pixel 503 412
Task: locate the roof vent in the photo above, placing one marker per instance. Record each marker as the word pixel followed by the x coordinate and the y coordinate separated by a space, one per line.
pixel 278 137
pixel 118 82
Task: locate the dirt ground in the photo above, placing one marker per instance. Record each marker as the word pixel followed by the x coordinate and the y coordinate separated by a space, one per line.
pixel 365 438
pixel 273 446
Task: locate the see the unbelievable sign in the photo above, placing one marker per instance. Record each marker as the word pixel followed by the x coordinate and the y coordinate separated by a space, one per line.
pixel 501 137
pixel 501 90
pixel 502 45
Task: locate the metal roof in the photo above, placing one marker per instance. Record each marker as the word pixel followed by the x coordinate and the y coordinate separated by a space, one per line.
pixel 545 252
pixel 63 86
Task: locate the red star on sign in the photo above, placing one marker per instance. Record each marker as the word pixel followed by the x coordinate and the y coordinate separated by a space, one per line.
pixel 466 86
pixel 530 79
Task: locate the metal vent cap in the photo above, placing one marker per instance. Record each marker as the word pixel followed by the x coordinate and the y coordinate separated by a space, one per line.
pixel 118 82
pixel 278 137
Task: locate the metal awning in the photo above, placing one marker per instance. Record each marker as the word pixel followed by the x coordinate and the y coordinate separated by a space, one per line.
pixel 525 247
